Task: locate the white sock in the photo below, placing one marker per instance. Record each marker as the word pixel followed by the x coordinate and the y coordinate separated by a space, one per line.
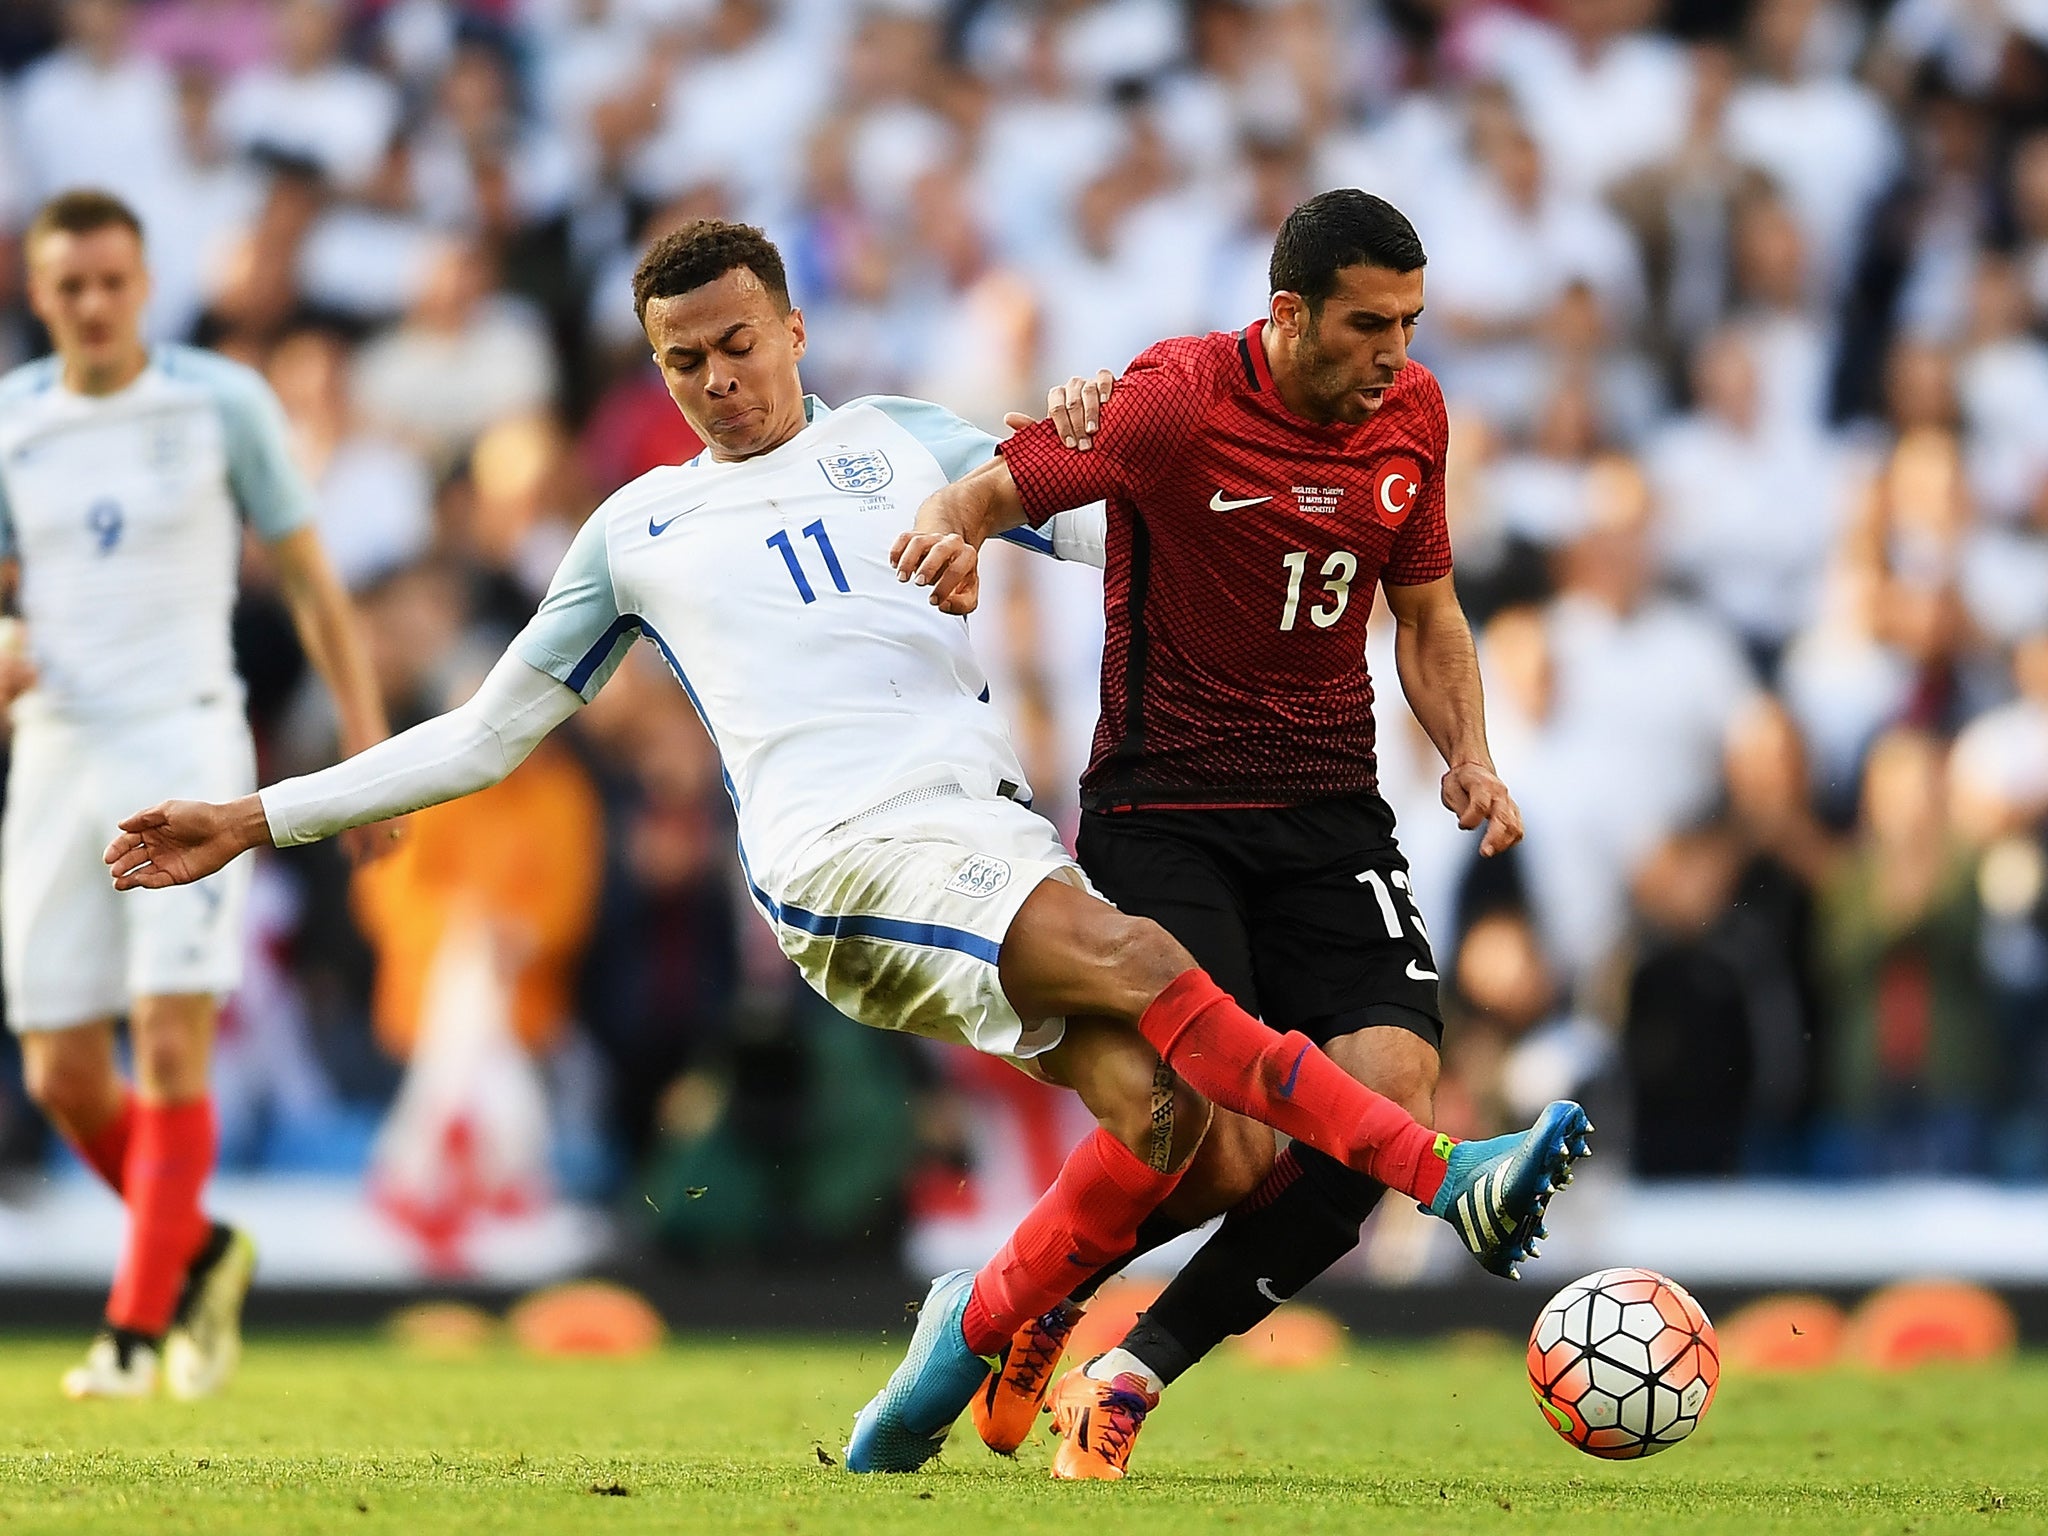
pixel 1121 1362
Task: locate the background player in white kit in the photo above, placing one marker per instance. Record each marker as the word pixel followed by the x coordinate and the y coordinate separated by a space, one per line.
pixel 882 813
pixel 126 476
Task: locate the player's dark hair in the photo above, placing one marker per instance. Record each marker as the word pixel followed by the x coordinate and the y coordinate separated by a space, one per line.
pixel 1334 230
pixel 82 211
pixel 703 251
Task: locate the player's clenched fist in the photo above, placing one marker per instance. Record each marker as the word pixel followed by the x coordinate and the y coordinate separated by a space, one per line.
pixel 946 563
pixel 181 841
pixel 1474 793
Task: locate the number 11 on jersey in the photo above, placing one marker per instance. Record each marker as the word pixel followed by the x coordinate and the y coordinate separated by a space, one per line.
pixel 815 531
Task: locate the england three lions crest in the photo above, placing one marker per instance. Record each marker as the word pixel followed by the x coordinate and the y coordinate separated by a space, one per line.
pixel 858 474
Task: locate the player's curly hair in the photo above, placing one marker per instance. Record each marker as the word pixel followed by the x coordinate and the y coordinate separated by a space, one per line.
pixel 1334 230
pixel 703 251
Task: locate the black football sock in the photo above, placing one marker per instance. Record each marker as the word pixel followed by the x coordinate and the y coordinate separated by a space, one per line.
pixel 1303 1219
pixel 1155 1231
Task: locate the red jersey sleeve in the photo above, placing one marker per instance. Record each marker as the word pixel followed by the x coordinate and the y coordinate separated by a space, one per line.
pixel 1422 549
pixel 1156 405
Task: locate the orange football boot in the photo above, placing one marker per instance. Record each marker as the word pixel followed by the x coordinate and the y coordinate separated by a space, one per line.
pixel 1007 1406
pixel 1098 1423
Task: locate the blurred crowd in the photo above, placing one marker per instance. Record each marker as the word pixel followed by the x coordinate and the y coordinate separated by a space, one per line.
pixel 1740 311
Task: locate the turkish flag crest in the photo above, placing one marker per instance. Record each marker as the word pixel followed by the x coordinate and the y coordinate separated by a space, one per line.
pixel 1396 484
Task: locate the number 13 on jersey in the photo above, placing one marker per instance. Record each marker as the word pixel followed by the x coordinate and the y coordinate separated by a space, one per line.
pixel 1337 572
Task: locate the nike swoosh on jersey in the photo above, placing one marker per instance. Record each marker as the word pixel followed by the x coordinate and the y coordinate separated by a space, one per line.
pixel 1221 503
pixel 655 530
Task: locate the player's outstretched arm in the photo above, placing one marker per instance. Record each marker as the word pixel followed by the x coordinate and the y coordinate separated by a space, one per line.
pixel 470 748
pixel 943 550
pixel 1440 676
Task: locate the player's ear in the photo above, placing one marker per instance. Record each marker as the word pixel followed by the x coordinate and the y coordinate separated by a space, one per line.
pixel 796 332
pixel 1287 312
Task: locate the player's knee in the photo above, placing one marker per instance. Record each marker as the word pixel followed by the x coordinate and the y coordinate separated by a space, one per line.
pixel 170 1059
pixel 1146 1106
pixel 67 1085
pixel 1241 1159
pixel 1235 1158
pixel 1145 957
pixel 1413 1087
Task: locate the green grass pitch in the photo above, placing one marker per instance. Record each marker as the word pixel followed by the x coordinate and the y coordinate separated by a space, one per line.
pixel 341 1435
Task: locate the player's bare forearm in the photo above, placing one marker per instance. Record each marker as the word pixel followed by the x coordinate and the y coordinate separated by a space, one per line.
pixel 942 550
pixel 181 841
pixel 1439 669
pixel 326 623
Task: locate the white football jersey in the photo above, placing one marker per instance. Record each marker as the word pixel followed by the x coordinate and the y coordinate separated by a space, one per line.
pixel 126 511
pixel 828 685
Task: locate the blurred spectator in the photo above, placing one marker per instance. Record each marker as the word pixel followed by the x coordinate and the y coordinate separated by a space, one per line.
pixel 465 357
pixel 375 502
pixel 217 39
pixel 1911 1066
pixel 1823 137
pixel 1920 247
pixel 1505 246
pixel 712 123
pixel 477 163
pixel 661 978
pixel 1687 1033
pixel 312 105
pixel 533 894
pixel 97 114
pixel 2000 767
pixel 1752 500
pixel 1602 94
pixel 1647 686
pixel 2030 215
pixel 1769 928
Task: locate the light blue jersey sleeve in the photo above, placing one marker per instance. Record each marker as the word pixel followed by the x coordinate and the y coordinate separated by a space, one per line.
pixel 578 636
pixel 272 495
pixel 17 385
pixel 961 448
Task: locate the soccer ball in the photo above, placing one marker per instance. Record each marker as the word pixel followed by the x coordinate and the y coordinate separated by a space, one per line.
pixel 1623 1363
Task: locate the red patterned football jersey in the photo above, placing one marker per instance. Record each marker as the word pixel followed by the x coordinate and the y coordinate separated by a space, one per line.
pixel 1246 546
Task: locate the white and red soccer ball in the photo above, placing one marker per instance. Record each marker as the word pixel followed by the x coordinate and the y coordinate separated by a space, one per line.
pixel 1623 1363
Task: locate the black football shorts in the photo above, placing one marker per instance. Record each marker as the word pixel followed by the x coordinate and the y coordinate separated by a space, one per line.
pixel 1302 913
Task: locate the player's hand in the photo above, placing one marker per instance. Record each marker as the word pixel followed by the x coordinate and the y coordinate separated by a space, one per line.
pixel 181 841
pixel 1474 793
pixel 945 562
pixel 379 840
pixel 1075 408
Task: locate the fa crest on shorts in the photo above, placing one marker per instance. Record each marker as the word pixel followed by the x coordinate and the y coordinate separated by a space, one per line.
pixel 982 875
pixel 857 474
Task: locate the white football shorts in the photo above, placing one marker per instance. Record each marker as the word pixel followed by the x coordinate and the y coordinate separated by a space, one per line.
pixel 899 921
pixel 72 948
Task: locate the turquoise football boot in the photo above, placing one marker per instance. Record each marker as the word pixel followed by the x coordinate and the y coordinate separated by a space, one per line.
pixel 906 1423
pixel 1495 1191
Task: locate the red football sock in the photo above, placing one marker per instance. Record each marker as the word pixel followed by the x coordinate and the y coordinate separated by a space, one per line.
pixel 170 1155
pixel 1088 1217
pixel 1232 1059
pixel 106 1150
